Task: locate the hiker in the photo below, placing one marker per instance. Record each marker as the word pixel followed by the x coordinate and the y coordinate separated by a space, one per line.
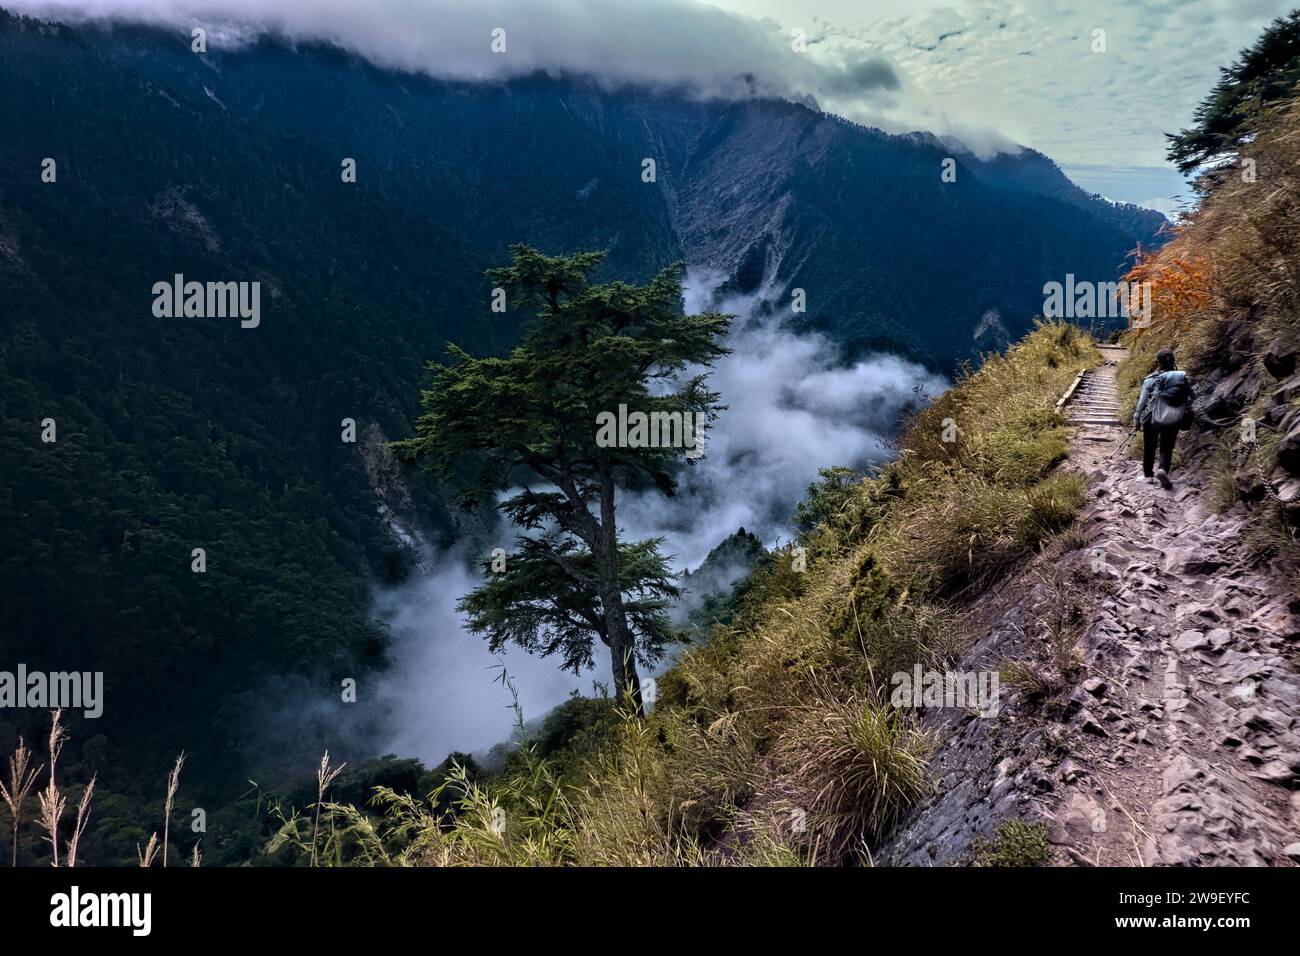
pixel 1163 408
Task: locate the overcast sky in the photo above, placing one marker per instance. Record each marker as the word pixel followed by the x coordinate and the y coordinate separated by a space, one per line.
pixel 1027 70
pixel 990 71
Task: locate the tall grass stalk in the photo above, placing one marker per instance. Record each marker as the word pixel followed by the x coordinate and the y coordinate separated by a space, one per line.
pixel 22 777
pixel 52 800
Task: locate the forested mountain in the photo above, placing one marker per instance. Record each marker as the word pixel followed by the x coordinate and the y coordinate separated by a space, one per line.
pixel 180 433
pixel 767 195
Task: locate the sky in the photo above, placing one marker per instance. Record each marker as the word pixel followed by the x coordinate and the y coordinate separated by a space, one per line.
pixel 993 73
pixel 1028 70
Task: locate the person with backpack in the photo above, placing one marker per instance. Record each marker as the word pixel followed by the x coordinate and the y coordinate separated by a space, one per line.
pixel 1163 409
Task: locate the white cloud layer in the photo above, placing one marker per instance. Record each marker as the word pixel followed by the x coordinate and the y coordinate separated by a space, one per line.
pixel 793 407
pixel 653 42
pixel 991 73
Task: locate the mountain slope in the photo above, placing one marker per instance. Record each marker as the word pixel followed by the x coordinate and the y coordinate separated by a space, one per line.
pixel 768 196
pixel 773 196
pixel 184 433
pixel 1151 698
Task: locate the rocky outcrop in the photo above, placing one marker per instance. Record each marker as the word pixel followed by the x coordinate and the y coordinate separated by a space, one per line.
pixel 1261 381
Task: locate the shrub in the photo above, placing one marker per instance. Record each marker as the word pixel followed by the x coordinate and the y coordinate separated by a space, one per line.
pixel 853 765
pixel 1014 843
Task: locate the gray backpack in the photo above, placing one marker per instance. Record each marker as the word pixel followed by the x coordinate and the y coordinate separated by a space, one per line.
pixel 1169 407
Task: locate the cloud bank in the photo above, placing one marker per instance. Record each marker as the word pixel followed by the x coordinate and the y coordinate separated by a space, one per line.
pixel 793 407
pixel 652 42
pixel 441 691
pixel 986 73
pixel 679 44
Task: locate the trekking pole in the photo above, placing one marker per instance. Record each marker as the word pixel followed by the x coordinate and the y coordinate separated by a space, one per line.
pixel 1122 445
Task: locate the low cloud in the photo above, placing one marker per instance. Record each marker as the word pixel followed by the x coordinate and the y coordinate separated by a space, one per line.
pixel 677 44
pixel 793 406
pixel 442 691
pixel 652 42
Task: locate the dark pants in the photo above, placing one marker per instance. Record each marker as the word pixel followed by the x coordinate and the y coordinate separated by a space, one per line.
pixel 1153 437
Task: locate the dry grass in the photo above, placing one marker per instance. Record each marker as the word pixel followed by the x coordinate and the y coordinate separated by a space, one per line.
pixel 773 743
pixel 173 782
pixel 146 855
pixel 853 765
pixel 83 818
pixel 52 799
pixel 325 775
pixel 1232 268
pixel 22 777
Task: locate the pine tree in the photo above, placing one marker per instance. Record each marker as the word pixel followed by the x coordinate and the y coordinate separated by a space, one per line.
pixel 526 423
pixel 1264 73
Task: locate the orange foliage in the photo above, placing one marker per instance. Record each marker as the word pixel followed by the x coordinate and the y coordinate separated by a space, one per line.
pixel 1179 283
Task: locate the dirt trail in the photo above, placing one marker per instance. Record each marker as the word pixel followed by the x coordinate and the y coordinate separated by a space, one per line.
pixel 1190 713
pixel 1165 724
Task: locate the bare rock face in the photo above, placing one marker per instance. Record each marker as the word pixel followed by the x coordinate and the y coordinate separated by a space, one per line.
pixel 184 218
pixel 1280 358
pixel 1287 391
pixel 1250 486
pixel 1235 384
pixel 1231 394
pixel 1288 450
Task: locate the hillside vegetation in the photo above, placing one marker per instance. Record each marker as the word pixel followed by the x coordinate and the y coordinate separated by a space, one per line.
pixel 1226 299
pixel 177 434
pixel 775 742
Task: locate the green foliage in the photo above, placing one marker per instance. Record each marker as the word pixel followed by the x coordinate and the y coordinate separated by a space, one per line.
pixel 974 489
pixel 1051 507
pixel 1227 119
pixel 720 583
pixel 184 433
pixel 854 765
pixel 567 737
pixel 873 596
pixel 592 350
pixel 827 500
pixel 545 601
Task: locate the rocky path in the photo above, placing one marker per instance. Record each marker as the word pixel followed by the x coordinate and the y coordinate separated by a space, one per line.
pixel 1157 721
pixel 1186 742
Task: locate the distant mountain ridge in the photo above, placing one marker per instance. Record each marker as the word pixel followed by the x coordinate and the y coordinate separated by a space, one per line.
pixel 768 195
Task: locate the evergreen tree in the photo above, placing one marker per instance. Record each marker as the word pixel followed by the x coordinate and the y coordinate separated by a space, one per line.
pixel 527 423
pixel 1263 74
pixel 547 600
